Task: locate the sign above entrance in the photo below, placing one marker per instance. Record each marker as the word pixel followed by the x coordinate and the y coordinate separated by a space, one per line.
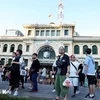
pixel 46 53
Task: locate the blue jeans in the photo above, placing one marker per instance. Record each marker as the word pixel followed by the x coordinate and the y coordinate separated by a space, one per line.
pixel 34 80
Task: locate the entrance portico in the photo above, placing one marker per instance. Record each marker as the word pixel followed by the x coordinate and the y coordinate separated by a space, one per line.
pixel 46 55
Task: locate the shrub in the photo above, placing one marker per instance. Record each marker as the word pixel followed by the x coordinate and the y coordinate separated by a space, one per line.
pixel 7 97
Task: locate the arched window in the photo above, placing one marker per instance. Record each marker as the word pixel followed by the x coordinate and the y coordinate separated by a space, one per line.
pixel 12 48
pixel 2 61
pixel 84 48
pixel 20 46
pixel 9 61
pixel 26 62
pixel 96 65
pixel 76 49
pixel 5 48
pixel 94 49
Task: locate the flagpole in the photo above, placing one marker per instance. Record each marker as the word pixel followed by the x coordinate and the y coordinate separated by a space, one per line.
pixel 50 18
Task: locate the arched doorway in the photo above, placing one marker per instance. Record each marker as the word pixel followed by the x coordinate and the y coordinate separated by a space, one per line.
pixel 46 55
pixel 46 52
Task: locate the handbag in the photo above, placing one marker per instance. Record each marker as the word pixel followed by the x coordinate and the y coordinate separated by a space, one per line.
pixel 59 63
pixel 86 82
pixel 22 72
pixel 67 83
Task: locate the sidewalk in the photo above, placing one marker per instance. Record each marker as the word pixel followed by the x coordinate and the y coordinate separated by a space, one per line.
pixel 45 91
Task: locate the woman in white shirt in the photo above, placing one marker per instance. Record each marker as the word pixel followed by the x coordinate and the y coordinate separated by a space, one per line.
pixel 74 73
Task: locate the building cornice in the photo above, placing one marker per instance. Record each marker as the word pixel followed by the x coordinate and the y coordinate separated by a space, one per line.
pixel 48 25
pixel 11 38
pixel 86 38
pixel 54 38
pixel 49 38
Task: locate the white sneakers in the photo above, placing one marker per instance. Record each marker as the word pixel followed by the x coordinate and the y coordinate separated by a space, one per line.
pixel 53 90
pixel 77 92
pixel 30 88
pixel 8 92
pixel 15 93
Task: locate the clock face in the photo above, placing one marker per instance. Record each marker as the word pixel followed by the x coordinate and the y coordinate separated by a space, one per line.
pixel 46 53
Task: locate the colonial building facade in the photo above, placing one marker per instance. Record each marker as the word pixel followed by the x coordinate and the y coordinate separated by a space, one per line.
pixel 45 39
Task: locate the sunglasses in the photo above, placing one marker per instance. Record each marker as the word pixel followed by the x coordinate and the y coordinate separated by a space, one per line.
pixel 33 58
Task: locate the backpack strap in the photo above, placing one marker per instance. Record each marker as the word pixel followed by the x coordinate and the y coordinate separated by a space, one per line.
pixel 74 66
pixel 91 59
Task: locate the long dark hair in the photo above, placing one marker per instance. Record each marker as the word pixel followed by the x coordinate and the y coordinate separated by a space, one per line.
pixel 98 69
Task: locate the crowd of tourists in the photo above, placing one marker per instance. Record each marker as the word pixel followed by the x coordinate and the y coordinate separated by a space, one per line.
pixel 65 67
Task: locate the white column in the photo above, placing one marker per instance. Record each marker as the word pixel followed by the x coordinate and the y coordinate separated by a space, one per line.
pixel 16 47
pixel 62 32
pixel 33 32
pixel 98 48
pixel 39 32
pixel 90 46
pixel 70 49
pixel 50 32
pixel 26 32
pixel 1 48
pixel 8 49
pixel 81 49
pixel 45 33
pixel 6 60
pixel 23 48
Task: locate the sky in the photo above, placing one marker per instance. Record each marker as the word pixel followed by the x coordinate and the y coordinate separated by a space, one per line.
pixel 85 14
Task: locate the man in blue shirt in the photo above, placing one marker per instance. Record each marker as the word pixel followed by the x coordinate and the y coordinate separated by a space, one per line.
pixel 90 73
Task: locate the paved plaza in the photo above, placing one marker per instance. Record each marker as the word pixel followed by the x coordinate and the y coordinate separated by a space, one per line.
pixel 45 91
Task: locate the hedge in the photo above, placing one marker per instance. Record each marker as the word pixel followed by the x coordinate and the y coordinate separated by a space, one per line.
pixel 6 97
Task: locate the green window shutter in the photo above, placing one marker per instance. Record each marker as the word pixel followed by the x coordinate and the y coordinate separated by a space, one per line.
pixel 20 47
pixel 47 32
pixel 9 61
pixel 27 48
pixel 96 65
pixel 5 48
pixel 52 32
pixel 58 33
pixel 42 33
pixel 84 48
pixel 37 33
pixel 12 48
pixel 2 61
pixel 94 50
pixel 66 49
pixel 26 62
pixel 76 49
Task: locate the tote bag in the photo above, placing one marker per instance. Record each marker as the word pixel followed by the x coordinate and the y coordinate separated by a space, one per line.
pixel 23 72
pixel 67 82
pixel 86 82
